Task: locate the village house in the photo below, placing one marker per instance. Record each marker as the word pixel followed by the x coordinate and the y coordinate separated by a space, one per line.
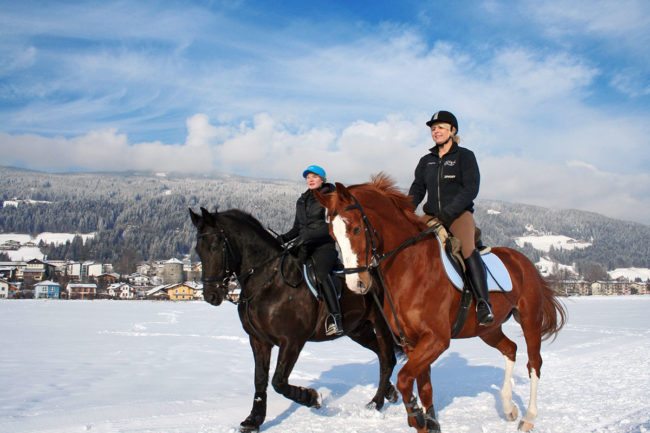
pixel 120 291
pixel 138 279
pixel 640 288
pixel 181 291
pixel 609 288
pixel 37 270
pixel 81 291
pixel 47 290
pixel 105 280
pixel 572 287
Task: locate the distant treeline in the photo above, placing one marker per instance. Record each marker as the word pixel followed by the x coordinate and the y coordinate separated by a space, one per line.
pixel 144 217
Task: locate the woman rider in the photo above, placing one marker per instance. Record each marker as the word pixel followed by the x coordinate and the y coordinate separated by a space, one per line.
pixel 310 231
pixel 449 176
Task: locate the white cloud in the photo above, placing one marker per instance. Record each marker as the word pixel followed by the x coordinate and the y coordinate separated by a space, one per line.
pixel 267 148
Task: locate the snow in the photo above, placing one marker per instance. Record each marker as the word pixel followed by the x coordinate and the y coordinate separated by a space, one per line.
pixel 630 273
pixel 547 267
pixel 47 237
pixel 25 254
pixel 164 367
pixel 544 242
pixel 28 253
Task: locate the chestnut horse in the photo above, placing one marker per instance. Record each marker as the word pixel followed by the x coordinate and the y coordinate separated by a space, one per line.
pixel 373 224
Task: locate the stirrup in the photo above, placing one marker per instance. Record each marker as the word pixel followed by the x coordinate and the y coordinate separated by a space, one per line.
pixel 332 328
pixel 488 319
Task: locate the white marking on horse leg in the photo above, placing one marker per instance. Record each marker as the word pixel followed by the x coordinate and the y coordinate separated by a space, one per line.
pixel 350 259
pixel 509 407
pixel 531 413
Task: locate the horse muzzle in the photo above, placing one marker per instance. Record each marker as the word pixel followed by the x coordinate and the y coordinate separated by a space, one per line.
pixel 213 293
pixel 360 284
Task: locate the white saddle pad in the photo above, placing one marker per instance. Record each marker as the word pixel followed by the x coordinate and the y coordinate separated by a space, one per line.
pixel 498 276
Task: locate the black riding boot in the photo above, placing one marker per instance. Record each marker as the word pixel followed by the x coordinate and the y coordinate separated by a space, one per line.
pixel 334 324
pixel 478 281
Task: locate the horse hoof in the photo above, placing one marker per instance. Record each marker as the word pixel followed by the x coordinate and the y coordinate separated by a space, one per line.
pixel 525 426
pixel 316 399
pixel 376 404
pixel 513 415
pixel 391 394
pixel 249 429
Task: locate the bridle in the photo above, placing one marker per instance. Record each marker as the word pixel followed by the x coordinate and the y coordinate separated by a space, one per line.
pixel 231 261
pixel 228 258
pixel 374 243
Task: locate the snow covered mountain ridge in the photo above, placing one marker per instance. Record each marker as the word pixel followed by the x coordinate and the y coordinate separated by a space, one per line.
pixel 146 213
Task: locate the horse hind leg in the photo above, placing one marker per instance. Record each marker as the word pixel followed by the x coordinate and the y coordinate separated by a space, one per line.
pixel 533 337
pixel 287 357
pixel 508 349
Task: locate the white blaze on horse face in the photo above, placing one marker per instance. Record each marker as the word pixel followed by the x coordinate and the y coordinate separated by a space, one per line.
pixel 350 259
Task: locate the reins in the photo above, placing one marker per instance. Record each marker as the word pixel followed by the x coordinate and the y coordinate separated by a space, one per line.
pixel 376 257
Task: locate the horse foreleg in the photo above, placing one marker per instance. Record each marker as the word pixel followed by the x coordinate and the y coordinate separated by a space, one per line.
pixel 425 391
pixel 262 355
pixel 287 357
pixel 378 340
pixel 426 351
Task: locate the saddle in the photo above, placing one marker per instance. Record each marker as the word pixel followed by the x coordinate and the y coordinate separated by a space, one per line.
pixel 315 285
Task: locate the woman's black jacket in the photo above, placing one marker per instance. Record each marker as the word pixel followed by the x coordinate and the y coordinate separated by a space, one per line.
pixel 451 183
pixel 309 225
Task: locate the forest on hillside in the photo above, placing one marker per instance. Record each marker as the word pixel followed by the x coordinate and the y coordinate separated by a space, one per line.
pixel 144 216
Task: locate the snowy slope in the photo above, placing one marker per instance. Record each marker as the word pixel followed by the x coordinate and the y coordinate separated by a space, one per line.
pixel 158 367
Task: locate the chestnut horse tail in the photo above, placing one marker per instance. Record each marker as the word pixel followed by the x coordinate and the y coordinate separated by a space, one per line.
pixel 553 311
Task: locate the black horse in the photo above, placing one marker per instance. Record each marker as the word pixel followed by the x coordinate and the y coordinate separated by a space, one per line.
pixel 276 308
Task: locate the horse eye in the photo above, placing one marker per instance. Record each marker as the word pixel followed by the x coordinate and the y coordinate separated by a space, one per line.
pixel 356 230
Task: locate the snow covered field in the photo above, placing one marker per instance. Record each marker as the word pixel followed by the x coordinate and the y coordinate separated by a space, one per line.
pixel 28 253
pixel 159 367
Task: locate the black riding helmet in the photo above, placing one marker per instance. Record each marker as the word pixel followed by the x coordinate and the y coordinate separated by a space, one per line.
pixel 443 117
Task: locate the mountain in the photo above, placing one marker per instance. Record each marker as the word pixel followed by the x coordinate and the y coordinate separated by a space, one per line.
pixel 145 216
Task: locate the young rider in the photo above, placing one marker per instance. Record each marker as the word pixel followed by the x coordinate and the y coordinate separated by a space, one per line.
pixel 311 232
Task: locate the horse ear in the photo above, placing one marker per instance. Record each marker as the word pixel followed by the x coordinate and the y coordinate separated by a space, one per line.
pixel 328 201
pixel 196 218
pixel 208 218
pixel 343 192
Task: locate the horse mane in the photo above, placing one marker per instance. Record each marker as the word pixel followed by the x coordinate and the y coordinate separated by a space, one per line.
pixel 385 185
pixel 251 221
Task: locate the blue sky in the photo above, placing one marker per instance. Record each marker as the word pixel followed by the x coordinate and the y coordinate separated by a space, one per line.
pixel 553 97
